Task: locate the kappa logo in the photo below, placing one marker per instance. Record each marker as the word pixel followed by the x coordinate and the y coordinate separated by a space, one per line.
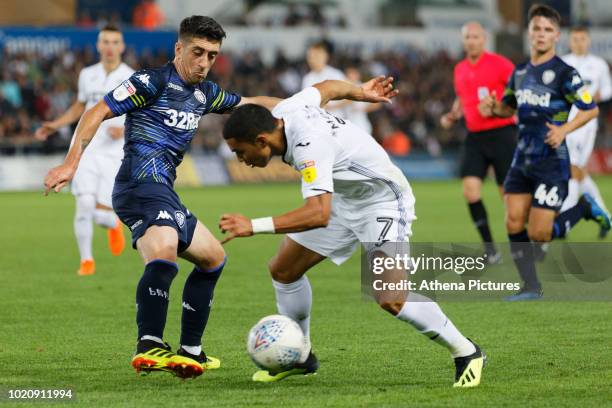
pixel 175 86
pixel 188 306
pixel 199 95
pixel 163 215
pixel 180 218
pixel 144 78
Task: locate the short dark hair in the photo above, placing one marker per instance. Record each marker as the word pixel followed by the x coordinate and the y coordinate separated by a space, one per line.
pixel 201 27
pixel 248 121
pixel 542 10
pixel 579 29
pixel 111 27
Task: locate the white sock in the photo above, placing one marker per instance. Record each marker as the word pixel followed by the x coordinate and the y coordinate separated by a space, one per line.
pixel 427 317
pixel 154 338
pixel 294 300
pixel 573 194
pixel 195 350
pixel 105 218
pixel 589 186
pixel 83 227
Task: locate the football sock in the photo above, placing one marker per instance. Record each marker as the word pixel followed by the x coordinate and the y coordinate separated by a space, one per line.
pixel 294 300
pixel 195 350
pixel 83 226
pixel 152 297
pixel 567 219
pixel 523 256
pixel 573 194
pixel 426 316
pixel 589 187
pixel 479 217
pixel 105 218
pixel 197 301
pixel 154 338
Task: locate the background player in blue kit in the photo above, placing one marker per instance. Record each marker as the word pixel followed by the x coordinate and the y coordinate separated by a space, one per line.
pixel 542 91
pixel 163 107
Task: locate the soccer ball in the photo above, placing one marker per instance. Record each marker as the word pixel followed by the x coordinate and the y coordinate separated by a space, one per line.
pixel 276 343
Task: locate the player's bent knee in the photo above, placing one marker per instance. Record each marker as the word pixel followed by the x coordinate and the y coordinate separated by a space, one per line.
pixel 471 195
pixel 539 235
pixel 282 273
pixel 216 259
pixel 165 250
pixel 393 307
pixel 162 249
pixel 217 256
pixel 514 225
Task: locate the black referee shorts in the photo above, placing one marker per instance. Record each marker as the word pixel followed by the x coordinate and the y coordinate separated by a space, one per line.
pixel 493 147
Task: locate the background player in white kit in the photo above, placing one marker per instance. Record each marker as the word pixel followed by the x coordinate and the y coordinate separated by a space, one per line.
pixel 353 193
pixel 93 183
pixel 317 58
pixel 595 73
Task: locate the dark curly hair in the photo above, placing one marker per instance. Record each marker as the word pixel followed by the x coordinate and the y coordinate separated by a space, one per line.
pixel 542 10
pixel 248 121
pixel 201 27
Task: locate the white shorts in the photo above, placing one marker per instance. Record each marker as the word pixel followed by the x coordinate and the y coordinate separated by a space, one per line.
pixel 350 225
pixel 96 175
pixel 580 144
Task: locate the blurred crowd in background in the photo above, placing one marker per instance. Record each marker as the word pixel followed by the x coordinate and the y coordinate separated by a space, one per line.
pixel 34 88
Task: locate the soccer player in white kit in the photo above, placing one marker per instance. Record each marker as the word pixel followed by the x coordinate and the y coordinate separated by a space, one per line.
pixel 353 193
pixel 595 73
pixel 93 183
pixel 317 58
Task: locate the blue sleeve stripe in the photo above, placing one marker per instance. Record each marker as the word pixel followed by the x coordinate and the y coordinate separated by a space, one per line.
pixel 113 106
pixel 120 108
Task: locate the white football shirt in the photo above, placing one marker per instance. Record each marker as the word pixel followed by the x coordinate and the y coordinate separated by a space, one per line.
pixel 333 155
pixel 595 73
pixel 94 83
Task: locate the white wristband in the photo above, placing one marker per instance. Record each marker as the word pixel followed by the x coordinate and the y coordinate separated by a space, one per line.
pixel 264 225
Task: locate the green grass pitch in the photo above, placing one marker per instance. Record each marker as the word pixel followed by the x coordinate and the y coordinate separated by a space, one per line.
pixel 58 330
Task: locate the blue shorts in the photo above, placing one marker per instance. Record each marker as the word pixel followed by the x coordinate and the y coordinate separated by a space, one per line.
pixel 140 205
pixel 546 180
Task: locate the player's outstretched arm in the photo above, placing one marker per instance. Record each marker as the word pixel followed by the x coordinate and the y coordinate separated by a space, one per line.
pixel 313 214
pixel 556 134
pixel 59 176
pixel 379 89
pixel 268 102
pixel 73 114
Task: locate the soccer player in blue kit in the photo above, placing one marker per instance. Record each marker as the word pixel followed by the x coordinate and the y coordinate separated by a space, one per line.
pixel 541 92
pixel 163 107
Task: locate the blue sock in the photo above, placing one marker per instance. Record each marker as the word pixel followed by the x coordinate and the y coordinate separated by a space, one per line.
pixel 523 256
pixel 197 301
pixel 152 297
pixel 568 218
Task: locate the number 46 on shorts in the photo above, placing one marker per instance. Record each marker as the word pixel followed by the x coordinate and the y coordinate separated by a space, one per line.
pixel 549 198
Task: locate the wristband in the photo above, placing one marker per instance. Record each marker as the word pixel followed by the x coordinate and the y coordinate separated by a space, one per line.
pixel 264 225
